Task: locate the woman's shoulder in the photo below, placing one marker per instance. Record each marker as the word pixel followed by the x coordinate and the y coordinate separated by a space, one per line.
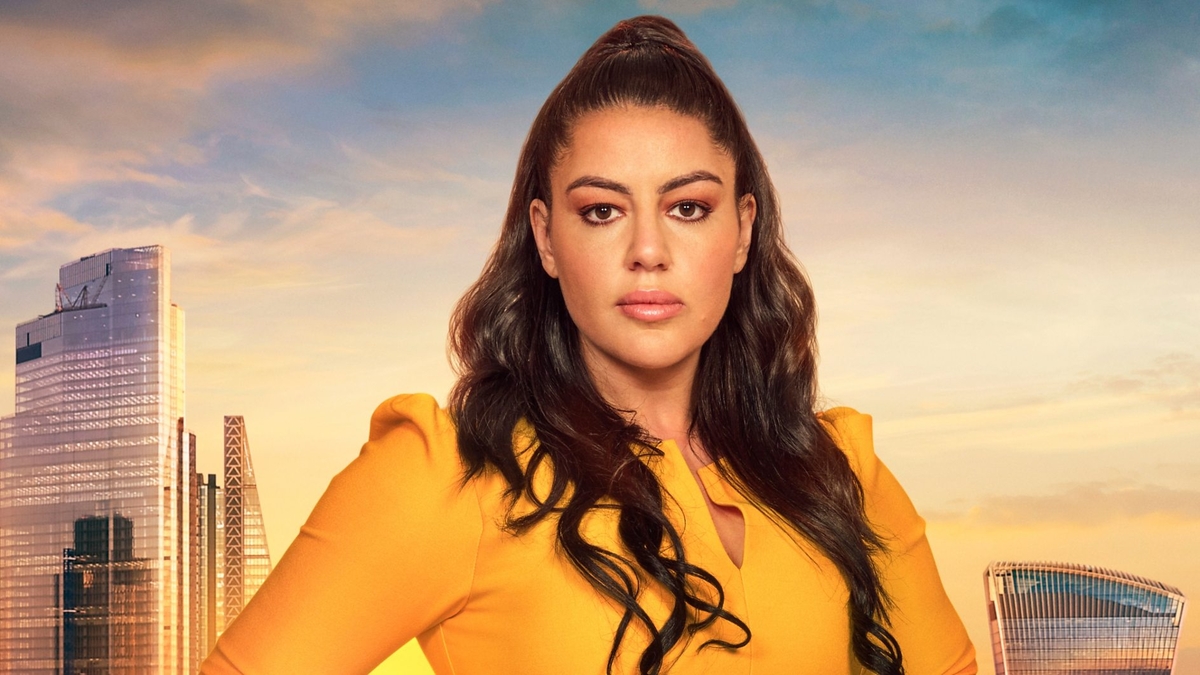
pixel 408 472
pixel 887 505
pixel 414 424
pixel 922 619
pixel 852 432
pixel 420 412
pixel 411 453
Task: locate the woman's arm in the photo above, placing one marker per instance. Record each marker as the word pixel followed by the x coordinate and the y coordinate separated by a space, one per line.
pixel 931 634
pixel 387 553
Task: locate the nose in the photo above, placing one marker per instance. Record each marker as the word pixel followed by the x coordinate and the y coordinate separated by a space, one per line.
pixel 648 246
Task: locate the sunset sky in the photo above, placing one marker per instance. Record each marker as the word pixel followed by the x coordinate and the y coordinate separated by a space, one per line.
pixel 998 205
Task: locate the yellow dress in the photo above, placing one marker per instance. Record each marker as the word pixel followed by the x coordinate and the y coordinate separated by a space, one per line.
pixel 395 550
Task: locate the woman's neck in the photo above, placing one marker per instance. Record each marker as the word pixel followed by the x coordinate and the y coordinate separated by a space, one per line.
pixel 660 400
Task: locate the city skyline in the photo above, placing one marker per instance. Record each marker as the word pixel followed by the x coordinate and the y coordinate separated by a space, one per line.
pixel 94 480
pixel 994 201
pixel 109 551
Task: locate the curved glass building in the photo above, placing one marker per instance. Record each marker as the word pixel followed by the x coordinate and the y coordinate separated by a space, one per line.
pixel 1056 618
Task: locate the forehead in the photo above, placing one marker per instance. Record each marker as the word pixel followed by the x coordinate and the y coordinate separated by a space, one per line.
pixel 634 143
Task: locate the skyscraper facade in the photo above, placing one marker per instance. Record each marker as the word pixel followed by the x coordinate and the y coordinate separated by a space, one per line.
pixel 247 560
pixel 1065 618
pixel 96 487
pixel 211 595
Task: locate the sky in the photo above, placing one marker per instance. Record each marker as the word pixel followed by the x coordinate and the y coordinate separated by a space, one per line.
pixel 996 204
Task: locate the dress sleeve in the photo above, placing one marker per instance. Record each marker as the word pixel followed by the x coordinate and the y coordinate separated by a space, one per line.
pixel 931 635
pixel 387 553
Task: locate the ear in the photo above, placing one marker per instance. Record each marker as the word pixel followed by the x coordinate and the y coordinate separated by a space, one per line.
pixel 747 212
pixel 539 220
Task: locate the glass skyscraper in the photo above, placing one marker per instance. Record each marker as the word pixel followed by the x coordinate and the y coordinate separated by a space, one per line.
pixel 96 487
pixel 1057 618
pixel 114 550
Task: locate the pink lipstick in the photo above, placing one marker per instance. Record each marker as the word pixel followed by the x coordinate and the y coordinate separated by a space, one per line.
pixel 650 305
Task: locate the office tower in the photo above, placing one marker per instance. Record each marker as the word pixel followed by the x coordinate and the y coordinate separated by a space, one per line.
pixel 247 560
pixel 1065 618
pixel 192 537
pixel 94 497
pixel 211 562
pixel 106 592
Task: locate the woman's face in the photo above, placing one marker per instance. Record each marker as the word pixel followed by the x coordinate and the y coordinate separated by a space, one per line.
pixel 644 236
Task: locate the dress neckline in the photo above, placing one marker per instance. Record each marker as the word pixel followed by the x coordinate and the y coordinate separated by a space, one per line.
pixel 719 492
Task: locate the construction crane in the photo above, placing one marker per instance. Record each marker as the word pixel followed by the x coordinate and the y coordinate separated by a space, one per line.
pixel 84 300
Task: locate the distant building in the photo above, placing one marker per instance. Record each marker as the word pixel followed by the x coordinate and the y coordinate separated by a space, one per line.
pixel 96 442
pixel 113 548
pixel 106 595
pixel 211 595
pixel 247 560
pixel 1066 618
pixel 233 556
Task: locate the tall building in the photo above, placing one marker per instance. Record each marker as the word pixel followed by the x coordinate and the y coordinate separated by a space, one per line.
pixel 96 503
pixel 105 595
pixel 247 560
pixel 211 593
pixel 233 541
pixel 1066 618
pixel 113 548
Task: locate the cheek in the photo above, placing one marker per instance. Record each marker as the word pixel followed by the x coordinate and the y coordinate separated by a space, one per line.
pixel 714 283
pixel 715 273
pixel 716 302
pixel 582 279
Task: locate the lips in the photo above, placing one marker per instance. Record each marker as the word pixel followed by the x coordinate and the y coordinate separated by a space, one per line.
pixel 650 305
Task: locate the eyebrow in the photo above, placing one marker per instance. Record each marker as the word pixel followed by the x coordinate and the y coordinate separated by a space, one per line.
pixel 598 182
pixel 687 178
pixel 673 184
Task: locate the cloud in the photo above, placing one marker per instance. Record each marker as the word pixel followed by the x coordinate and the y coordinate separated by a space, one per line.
pixel 21 228
pixel 1172 380
pixel 59 57
pixel 1035 55
pixel 684 7
pixel 149 31
pixel 309 243
pixel 1179 470
pixel 1084 504
pixel 1128 43
pixel 117 92
pixel 1009 24
pixel 1134 38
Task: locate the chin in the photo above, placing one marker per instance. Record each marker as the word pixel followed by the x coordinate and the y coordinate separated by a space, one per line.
pixel 651 362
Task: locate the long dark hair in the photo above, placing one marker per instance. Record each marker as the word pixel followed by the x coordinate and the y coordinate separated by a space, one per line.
pixel 517 354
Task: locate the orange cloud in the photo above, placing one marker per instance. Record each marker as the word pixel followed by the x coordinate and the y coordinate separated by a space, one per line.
pixel 147 37
pixel 1083 504
pixel 1173 379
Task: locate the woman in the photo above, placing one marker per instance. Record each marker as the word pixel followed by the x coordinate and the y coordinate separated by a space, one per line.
pixel 630 476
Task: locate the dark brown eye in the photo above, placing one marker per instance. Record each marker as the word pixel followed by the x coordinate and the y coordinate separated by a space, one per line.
pixel 600 214
pixel 689 211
